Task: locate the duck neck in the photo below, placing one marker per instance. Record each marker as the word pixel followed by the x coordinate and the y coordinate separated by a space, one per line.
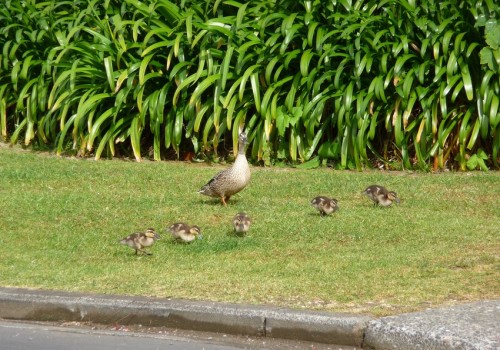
pixel 241 148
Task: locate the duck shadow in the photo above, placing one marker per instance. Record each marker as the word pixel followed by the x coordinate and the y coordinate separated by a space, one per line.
pixel 324 216
pixel 178 243
pixel 233 234
pixel 217 202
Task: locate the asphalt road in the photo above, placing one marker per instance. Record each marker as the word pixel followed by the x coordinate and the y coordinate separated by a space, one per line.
pixel 17 336
pixel 47 336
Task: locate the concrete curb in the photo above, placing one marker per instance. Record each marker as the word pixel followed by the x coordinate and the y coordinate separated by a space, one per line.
pixel 472 326
pixel 323 327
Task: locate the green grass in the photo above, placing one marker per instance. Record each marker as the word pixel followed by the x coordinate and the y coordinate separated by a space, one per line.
pixel 61 219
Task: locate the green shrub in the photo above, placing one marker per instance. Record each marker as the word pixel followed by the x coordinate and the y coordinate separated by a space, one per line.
pixel 344 82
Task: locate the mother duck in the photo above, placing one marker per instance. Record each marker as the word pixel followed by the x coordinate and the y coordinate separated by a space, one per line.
pixel 232 180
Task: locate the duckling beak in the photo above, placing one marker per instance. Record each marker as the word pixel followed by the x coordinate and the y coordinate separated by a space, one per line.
pixel 397 200
pixel 200 236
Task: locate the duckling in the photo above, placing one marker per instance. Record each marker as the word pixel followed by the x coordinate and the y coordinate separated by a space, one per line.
pixel 232 180
pixel 241 223
pixel 184 233
pixel 325 205
pixel 381 196
pixel 140 240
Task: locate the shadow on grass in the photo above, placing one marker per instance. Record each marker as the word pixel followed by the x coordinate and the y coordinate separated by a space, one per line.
pixel 231 242
pixel 214 202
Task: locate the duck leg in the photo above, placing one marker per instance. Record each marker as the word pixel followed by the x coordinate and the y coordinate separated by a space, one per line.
pixel 224 200
pixel 142 251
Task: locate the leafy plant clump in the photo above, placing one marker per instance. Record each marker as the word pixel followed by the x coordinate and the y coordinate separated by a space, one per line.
pixel 350 83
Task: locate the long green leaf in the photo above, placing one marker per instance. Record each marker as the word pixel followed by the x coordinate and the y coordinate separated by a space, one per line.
pixel 205 84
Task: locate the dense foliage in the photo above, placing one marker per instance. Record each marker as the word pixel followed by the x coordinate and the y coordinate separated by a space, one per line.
pixel 345 82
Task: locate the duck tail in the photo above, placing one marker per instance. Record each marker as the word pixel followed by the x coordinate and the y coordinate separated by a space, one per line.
pixel 206 190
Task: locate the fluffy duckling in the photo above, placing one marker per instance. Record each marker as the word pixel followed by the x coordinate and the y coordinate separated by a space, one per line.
pixel 381 196
pixel 241 223
pixel 325 205
pixel 140 240
pixel 232 180
pixel 184 233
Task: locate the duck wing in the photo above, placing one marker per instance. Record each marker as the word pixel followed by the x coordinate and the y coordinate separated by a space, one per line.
pixel 212 183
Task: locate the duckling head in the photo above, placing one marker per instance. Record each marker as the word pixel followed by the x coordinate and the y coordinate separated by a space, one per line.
pixel 151 233
pixel 195 230
pixel 393 196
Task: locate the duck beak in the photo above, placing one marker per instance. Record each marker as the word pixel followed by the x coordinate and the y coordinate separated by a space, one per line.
pixel 200 236
pixel 243 137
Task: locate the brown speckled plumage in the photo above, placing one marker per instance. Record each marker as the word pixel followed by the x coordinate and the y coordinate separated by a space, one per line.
pixel 325 205
pixel 140 240
pixel 184 233
pixel 241 223
pixel 232 180
pixel 381 196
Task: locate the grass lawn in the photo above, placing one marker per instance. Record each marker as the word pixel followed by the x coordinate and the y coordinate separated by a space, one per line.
pixel 61 219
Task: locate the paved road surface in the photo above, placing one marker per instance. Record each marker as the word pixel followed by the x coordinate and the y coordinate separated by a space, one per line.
pixel 44 336
pixel 17 336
